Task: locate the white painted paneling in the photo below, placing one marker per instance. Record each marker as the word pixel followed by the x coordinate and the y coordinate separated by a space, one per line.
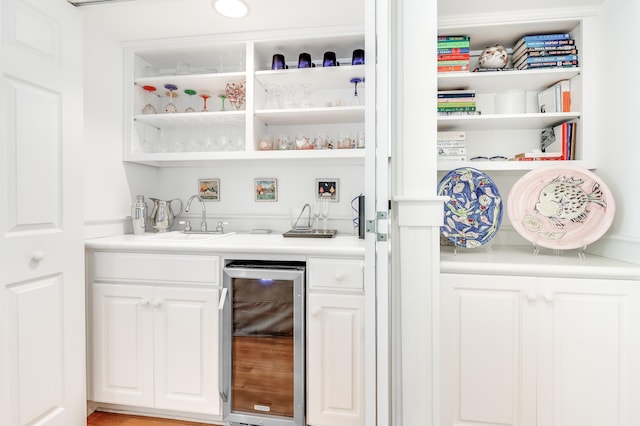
pixel 37 398
pixel 42 333
pixel 335 343
pixel 122 336
pixel 186 357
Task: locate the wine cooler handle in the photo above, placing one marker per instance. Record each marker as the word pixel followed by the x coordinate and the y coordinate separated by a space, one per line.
pixel 223 379
pixel 223 297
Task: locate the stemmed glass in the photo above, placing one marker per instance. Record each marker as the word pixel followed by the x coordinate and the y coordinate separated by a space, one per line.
pixel 272 96
pixel 190 108
pixel 149 108
pixel 316 215
pixel 324 205
pixel 222 96
pixel 204 97
pixel 355 81
pixel 171 107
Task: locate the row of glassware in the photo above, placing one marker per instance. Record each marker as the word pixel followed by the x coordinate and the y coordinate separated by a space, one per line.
pixel 234 93
pixel 191 139
pixel 281 142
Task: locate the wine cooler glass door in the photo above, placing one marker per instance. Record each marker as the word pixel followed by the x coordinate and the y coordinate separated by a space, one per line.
pixel 262 352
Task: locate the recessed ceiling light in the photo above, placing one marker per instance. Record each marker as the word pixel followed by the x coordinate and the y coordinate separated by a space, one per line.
pixel 230 8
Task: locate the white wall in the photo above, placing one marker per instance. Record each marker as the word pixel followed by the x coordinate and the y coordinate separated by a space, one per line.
pixel 111 184
pixel 618 111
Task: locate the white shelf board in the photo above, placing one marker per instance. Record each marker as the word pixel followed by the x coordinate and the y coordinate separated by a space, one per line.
pixel 192 118
pixel 507 165
pixel 350 156
pixel 504 121
pixel 323 115
pixel 318 78
pixel 498 81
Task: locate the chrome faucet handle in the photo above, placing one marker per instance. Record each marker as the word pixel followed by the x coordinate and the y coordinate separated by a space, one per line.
pixel 219 228
pixel 187 225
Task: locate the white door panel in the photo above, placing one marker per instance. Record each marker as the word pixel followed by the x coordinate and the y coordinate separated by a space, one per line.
pixel 42 350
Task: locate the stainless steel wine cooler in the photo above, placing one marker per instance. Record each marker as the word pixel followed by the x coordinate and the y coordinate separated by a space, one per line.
pixel 262 368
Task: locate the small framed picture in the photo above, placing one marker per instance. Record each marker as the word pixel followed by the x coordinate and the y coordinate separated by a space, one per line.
pixel 265 189
pixel 209 189
pixel 328 188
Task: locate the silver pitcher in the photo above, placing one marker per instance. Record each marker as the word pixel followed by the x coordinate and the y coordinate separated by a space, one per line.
pixel 162 215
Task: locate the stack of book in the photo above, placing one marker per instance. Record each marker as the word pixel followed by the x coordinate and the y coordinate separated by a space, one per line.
pixel 456 102
pixel 545 51
pixel 452 146
pixel 453 53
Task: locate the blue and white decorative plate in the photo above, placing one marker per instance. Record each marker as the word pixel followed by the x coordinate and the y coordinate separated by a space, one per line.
pixel 473 213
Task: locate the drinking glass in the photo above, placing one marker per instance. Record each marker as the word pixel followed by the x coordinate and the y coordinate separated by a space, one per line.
pixel 272 96
pixel 204 97
pixel 317 211
pixel 222 97
pixel 150 95
pixel 355 81
pixel 325 207
pixel 170 107
pixel 190 108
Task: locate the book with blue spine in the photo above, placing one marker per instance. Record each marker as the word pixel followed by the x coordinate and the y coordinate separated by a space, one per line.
pixel 453 50
pixel 453 38
pixel 550 64
pixel 541 37
pixel 543 43
pixel 537 59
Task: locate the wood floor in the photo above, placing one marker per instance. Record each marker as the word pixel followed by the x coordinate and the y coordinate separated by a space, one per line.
pixel 110 419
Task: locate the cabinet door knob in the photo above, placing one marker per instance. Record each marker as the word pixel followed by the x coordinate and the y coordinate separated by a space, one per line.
pixel 340 276
pixel 156 304
pixel 37 256
pixel 531 296
pixel 315 312
pixel 548 297
pixel 144 303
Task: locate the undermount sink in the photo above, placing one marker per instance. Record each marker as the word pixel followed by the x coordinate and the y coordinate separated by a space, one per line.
pixel 181 236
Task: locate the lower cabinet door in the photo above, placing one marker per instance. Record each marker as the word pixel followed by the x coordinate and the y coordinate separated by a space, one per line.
pixel 335 367
pixel 186 349
pixel 122 349
pixel 488 344
pixel 588 352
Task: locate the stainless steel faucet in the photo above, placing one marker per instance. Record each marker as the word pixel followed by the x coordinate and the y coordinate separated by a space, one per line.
pixel 203 223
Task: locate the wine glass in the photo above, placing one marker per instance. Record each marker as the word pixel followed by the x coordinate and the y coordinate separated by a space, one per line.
pixel 222 96
pixel 170 107
pixel 355 81
pixel 272 96
pixel 190 108
pixel 150 94
pixel 317 209
pixel 204 97
pixel 324 207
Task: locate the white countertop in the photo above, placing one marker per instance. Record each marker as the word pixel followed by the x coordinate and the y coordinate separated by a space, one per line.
pixel 521 260
pixel 271 244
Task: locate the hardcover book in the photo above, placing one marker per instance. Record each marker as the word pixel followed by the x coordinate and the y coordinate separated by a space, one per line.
pixel 452 50
pixel 550 64
pixel 531 52
pixel 451 135
pixel 545 43
pixel 450 68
